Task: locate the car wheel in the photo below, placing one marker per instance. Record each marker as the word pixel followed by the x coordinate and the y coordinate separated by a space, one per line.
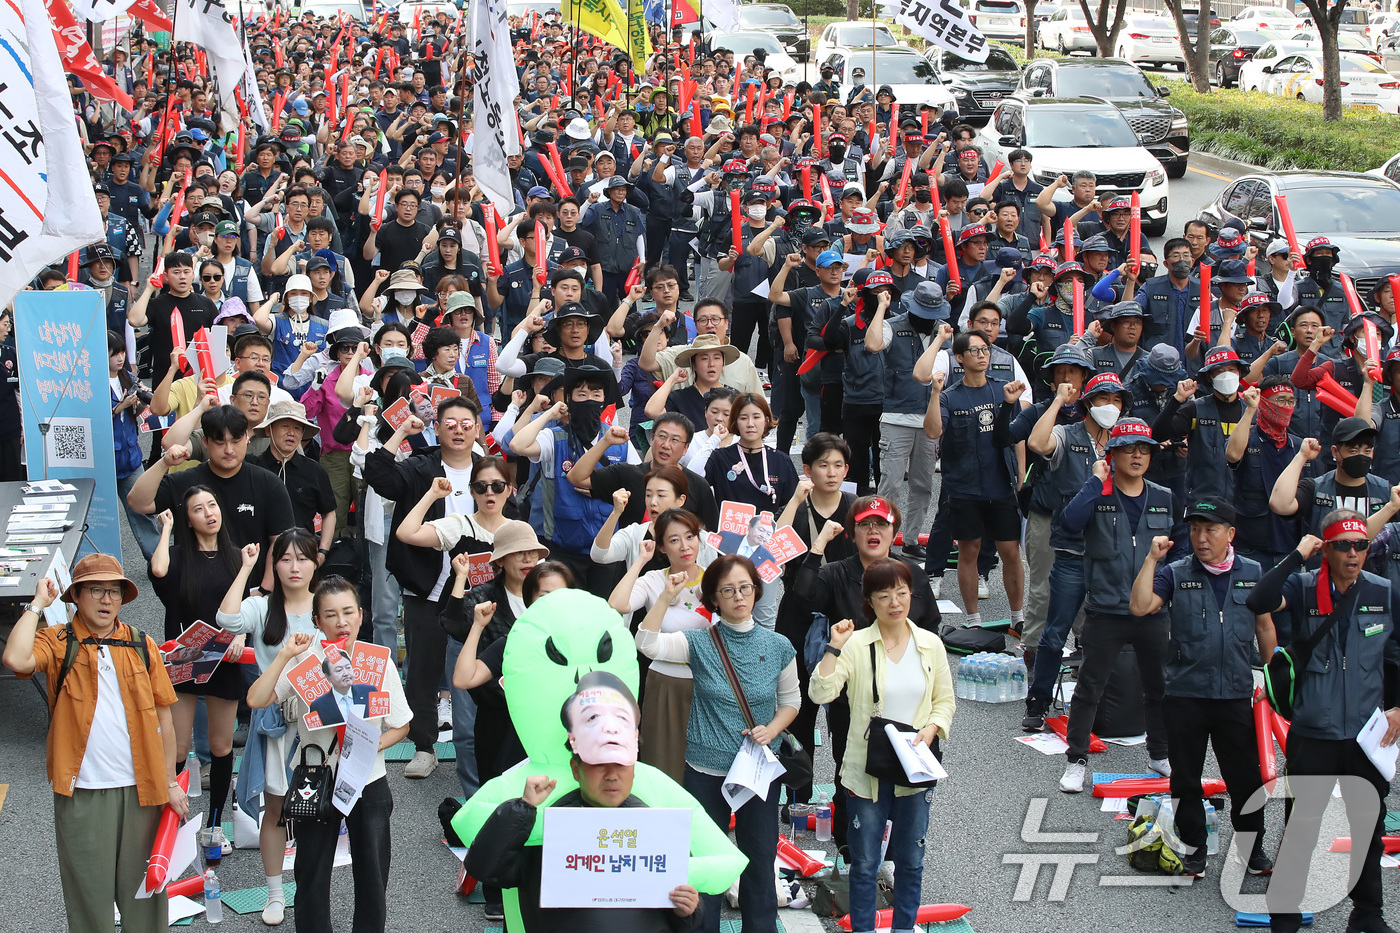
pixel 1175 169
pixel 1061 45
pixel 1220 78
pixel 1301 97
pixel 1180 66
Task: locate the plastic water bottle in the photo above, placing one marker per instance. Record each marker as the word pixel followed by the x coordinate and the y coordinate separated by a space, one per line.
pixel 1004 680
pixel 213 901
pixel 1212 829
pixel 1018 679
pixel 824 819
pixel 958 671
pixel 192 766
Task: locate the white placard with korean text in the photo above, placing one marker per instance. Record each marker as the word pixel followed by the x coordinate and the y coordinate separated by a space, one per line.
pixel 605 857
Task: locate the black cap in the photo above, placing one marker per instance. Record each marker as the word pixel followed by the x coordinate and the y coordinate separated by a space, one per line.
pixel 570 254
pixel 1352 429
pixel 815 235
pixel 1212 509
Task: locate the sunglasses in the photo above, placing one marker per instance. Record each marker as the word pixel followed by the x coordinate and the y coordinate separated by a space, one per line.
pixel 452 424
pixel 496 486
pixel 1348 547
pixel 211 278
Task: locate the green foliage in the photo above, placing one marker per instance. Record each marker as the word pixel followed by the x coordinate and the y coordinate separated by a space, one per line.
pixel 1277 133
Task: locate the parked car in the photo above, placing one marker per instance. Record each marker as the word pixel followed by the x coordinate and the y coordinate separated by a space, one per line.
pixel 746 43
pixel 1364 84
pixel 1161 127
pixel 1355 19
pixel 852 35
pixel 1266 17
pixel 977 86
pixel 1230 47
pixel 999 19
pixel 909 75
pixel 1359 213
pixel 1192 14
pixel 1150 38
pixel 1389 169
pixel 1251 73
pixel 1383 26
pixel 1065 135
pixel 1346 42
pixel 1067 31
pixel 778 19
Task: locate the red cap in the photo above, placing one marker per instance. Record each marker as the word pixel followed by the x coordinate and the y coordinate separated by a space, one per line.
pixel 879 508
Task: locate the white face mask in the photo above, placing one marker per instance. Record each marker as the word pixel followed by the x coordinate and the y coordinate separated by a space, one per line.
pixel 758 212
pixel 299 303
pixel 1226 383
pixel 405 296
pixel 1104 415
pixel 439 191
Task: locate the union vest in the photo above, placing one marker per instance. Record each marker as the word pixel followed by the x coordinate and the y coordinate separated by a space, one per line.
pixel 1212 648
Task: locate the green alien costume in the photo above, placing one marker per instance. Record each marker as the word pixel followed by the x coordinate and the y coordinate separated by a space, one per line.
pixel 558 639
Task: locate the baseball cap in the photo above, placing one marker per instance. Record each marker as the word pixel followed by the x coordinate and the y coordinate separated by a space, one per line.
pixel 1129 431
pixel 226 228
pixel 537 192
pixel 1212 509
pixel 814 236
pixel 830 257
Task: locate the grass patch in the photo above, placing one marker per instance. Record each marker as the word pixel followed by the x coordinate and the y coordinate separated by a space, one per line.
pixel 1277 133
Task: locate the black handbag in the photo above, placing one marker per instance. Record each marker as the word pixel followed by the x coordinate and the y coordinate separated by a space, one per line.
pixel 1286 668
pixel 790 753
pixel 310 794
pixel 881 762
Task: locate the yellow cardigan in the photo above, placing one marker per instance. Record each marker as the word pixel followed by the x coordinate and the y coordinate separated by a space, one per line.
pixel 853 672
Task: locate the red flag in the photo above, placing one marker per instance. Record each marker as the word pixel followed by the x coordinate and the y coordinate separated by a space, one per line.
pixel 150 13
pixel 78 58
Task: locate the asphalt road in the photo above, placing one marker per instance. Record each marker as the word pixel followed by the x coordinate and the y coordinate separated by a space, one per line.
pixel 982 828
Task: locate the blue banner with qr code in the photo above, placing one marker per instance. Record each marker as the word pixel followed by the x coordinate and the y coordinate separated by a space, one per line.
pixel 61 339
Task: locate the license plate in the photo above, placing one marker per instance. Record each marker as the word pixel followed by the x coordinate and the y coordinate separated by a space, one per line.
pixel 1161 40
pixel 1365 107
pixel 1001 21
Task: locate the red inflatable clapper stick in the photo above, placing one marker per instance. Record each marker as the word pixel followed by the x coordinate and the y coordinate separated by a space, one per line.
pixel 817 131
pixel 826 198
pixel 541 260
pixel 796 859
pixel 928 913
pixel 806 184
pixel 166 830
pixel 1368 327
pixel 1203 313
pixel 1135 233
pixel 205 356
pixel 948 253
pixel 1069 241
pixel 488 211
pixel 1133 787
pixel 192 886
pixel 380 193
pixel 634 277
pixel 1286 219
pixel 1078 306
pixel 1264 739
pixel 904 184
pixel 561 178
pixel 736 220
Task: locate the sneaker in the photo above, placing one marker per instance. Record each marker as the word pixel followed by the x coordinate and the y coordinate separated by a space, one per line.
pixel 274 913
pixel 1161 765
pixel 1357 924
pixel 444 712
pixel 1034 720
pixel 495 911
pixel 983 591
pixel 422 765
pixel 1072 782
pixel 686 295
pixel 936 584
pixel 915 552
pixel 1259 863
pixel 1194 864
pixel 217 835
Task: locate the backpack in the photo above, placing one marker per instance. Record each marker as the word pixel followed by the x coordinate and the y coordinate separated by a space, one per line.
pixel 958 639
pixel 1149 850
pixel 70 652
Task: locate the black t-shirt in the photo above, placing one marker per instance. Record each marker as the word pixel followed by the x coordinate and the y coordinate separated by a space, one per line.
pixel 307 484
pixel 582 239
pixel 699 499
pixel 194 309
pixel 399 244
pixel 689 402
pixel 254 503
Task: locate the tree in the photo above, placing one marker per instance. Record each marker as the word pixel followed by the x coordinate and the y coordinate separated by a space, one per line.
pixel 1030 28
pixel 1327 19
pixel 1105 30
pixel 1197 54
pixel 852 10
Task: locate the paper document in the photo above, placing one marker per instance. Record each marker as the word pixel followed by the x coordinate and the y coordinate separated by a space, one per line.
pixel 761 289
pixel 358 751
pixel 1370 741
pixel 754 768
pixel 918 761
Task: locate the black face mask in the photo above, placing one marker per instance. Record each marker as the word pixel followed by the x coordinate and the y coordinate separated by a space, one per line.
pixel 585 418
pixel 1320 269
pixel 921 195
pixel 838 153
pixel 1357 466
pixel 920 325
pixel 1181 269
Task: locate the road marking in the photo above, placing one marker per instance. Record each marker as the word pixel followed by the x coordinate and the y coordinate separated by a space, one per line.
pixel 1201 171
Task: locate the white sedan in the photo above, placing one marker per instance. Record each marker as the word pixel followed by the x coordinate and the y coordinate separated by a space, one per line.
pixel 1346 42
pixel 1066 31
pixel 1150 39
pixel 1365 85
pixel 1267 17
pixel 1252 74
pixel 849 35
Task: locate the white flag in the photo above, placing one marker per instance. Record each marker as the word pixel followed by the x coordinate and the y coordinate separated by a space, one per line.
pixel 495 130
pixel 250 92
pixel 99 11
pixel 207 24
pixel 47 208
pixel 724 14
pixel 943 22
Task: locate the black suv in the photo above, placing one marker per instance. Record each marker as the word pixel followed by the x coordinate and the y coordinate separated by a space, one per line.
pixel 1161 127
pixel 778 19
pixel 977 86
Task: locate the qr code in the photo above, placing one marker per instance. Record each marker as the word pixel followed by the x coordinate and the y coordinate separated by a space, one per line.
pixel 69 443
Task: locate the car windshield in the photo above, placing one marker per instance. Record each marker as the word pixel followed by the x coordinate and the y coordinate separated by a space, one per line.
pixel 1113 83
pixel 863 35
pixel 997 60
pixel 1247 37
pixel 1354 17
pixel 997 6
pixel 1267 13
pixel 764 16
pixel 1357 210
pixel 893 69
pixel 1361 66
pixel 1058 128
pixel 744 43
pixel 1151 22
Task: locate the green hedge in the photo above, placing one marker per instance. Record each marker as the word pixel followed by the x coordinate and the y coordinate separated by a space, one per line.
pixel 1277 133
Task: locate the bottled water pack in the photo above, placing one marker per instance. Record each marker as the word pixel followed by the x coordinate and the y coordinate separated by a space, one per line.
pixel 991 678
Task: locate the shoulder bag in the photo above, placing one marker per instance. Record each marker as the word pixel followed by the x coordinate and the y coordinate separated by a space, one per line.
pixel 310 794
pixel 791 755
pixel 881 762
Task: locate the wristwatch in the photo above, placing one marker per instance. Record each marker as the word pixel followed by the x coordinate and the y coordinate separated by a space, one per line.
pixel 31 607
pixel 834 652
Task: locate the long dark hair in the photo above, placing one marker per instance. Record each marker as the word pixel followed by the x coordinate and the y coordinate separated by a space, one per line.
pixel 192 583
pixel 306 543
pixel 116 343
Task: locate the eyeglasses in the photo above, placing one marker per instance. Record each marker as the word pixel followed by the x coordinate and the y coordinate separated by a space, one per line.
pixel 729 592
pixel 452 424
pixel 258 359
pixel 1347 547
pixel 103 592
pixel 871 524
pixel 253 396
pixel 709 319
pixel 211 278
pixel 978 351
pixel 496 486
